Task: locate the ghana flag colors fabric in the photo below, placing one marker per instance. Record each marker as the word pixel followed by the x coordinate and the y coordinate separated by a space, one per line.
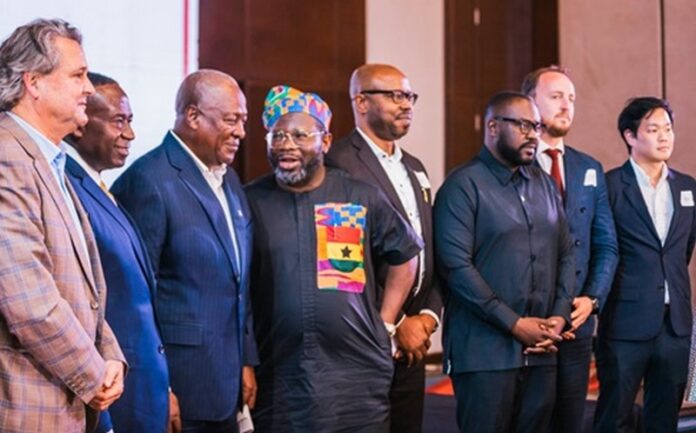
pixel 340 241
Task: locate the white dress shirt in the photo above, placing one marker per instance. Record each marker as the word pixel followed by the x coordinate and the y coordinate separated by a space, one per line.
pixel 658 200
pixel 214 179
pixel 398 176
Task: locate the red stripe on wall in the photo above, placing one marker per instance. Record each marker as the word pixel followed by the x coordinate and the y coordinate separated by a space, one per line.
pixel 186 37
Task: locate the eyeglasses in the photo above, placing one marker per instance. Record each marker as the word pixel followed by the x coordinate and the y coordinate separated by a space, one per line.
pixel 524 125
pixel 297 136
pixel 397 96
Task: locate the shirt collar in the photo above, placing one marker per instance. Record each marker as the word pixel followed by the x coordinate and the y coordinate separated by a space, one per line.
pixel 91 172
pixel 643 178
pixel 378 151
pixel 542 146
pixel 500 171
pixel 48 149
pixel 215 174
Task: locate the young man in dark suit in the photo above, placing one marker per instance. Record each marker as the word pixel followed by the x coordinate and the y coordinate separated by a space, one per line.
pixel 645 326
pixel 580 179
pixel 383 103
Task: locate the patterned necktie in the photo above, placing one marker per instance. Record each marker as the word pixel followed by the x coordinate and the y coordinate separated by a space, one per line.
pixel 556 167
pixel 104 188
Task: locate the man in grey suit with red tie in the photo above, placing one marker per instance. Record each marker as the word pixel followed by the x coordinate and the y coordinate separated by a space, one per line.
pixel 383 108
pixel 645 326
pixel 580 179
pixel 59 360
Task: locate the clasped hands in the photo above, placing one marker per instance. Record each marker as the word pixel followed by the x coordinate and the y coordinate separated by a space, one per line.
pixel 539 335
pixel 413 337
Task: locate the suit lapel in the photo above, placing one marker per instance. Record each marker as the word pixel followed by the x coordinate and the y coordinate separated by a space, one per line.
pixel 633 195
pixel 574 181
pixel 675 190
pixel 368 158
pixel 192 177
pixel 108 206
pixel 45 173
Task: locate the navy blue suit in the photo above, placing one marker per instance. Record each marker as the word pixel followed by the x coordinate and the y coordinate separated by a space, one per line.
pixel 144 405
pixel 202 294
pixel 596 253
pixel 639 338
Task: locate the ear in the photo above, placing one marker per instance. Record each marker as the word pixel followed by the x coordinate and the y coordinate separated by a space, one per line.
pixel 31 84
pixel 361 103
pixel 629 137
pixel 192 115
pixel 492 126
pixel 326 142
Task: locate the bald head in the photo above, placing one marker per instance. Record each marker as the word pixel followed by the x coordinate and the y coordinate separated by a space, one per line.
pixel 372 76
pixel 210 116
pixel 201 86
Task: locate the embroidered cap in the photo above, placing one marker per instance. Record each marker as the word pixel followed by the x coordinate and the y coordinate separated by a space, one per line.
pixel 283 99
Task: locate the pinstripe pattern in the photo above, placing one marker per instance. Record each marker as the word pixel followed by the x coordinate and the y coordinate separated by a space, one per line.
pixel 53 338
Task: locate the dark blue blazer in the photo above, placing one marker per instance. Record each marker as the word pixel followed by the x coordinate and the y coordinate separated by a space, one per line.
pixel 144 405
pixel 202 295
pixel 592 229
pixel 634 309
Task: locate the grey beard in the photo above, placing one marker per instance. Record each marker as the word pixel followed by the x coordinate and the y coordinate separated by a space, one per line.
pixel 290 177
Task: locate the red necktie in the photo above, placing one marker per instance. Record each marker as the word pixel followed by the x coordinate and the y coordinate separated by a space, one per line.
pixel 556 167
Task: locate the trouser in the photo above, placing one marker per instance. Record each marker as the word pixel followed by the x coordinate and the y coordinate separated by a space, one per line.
pixel 406 397
pixel 518 400
pixel 574 357
pixel 661 363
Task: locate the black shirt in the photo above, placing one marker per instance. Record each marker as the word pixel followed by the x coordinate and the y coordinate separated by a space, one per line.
pixel 325 354
pixel 504 250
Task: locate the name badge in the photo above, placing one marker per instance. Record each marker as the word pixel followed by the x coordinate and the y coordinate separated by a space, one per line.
pixel 590 177
pixel 687 198
pixel 423 180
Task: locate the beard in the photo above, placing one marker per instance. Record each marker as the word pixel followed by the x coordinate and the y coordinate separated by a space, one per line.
pixel 298 176
pixel 511 155
pixel 385 130
pixel 557 131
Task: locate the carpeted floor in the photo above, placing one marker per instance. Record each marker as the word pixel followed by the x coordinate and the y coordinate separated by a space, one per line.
pixel 440 408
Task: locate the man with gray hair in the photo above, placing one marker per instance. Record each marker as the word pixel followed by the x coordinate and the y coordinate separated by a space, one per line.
pixel 59 359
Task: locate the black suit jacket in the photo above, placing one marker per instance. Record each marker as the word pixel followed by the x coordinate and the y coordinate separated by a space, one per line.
pixel 352 154
pixel 634 308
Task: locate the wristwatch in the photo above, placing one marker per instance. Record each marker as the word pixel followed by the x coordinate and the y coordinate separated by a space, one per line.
pixel 595 304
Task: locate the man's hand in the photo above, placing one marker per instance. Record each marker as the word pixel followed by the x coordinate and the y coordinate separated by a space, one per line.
pixel 249 386
pixel 582 309
pixel 554 325
pixel 413 337
pixel 174 425
pixel 539 335
pixel 112 386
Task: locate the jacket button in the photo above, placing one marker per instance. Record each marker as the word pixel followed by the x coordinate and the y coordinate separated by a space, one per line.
pixel 94 305
pixel 160 349
pixel 582 210
pixel 577 242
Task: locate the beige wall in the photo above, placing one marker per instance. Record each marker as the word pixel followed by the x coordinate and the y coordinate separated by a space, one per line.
pixel 410 35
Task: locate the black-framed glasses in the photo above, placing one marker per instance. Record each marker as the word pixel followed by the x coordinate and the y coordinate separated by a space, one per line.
pixel 524 125
pixel 297 136
pixel 397 96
